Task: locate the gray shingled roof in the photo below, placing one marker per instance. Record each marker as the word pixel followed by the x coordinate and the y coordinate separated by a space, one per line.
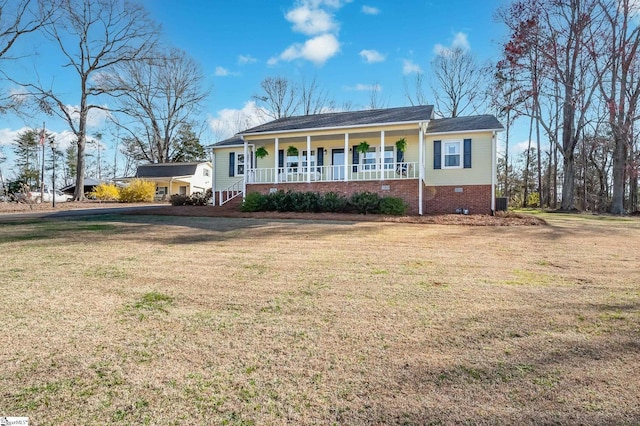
pixel 233 140
pixel 460 124
pixel 166 170
pixel 346 119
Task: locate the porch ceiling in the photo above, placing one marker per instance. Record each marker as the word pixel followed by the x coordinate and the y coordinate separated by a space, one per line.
pixel 338 137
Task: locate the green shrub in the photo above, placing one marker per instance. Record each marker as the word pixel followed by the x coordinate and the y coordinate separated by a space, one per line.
pixel 333 203
pixel 105 192
pixel 254 202
pixel 178 200
pixel 393 206
pixel 138 190
pixel 365 202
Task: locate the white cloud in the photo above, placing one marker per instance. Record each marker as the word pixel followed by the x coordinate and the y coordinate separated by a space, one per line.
pixel 221 72
pixel 409 67
pixel 246 59
pixel 370 10
pixel 229 121
pixel 316 19
pixel 371 56
pixel 317 50
pixel 460 41
pixel 309 19
pixel 365 88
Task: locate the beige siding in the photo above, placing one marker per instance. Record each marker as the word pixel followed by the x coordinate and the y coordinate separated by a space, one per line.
pixel 221 167
pixel 480 171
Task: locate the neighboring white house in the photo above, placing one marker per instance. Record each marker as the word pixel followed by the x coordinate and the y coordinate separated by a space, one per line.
pixel 435 165
pixel 176 178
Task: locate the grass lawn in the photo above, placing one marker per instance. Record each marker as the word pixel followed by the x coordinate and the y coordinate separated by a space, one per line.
pixel 182 320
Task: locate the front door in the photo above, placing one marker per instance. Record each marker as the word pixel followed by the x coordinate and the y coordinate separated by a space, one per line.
pixel 337 161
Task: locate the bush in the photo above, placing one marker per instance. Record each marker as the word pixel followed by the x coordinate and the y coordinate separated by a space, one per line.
pixel 365 202
pixel 254 202
pixel 393 206
pixel 333 203
pixel 139 190
pixel 195 199
pixel 178 200
pixel 105 192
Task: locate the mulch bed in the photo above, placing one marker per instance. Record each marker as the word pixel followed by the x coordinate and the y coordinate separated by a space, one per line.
pixel 501 219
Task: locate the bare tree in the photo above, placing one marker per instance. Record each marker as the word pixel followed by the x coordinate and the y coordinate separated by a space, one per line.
pixel 374 97
pixel 548 39
pixel 279 98
pixel 619 42
pixel 313 99
pixel 155 98
pixel 17 18
pixel 457 84
pixel 416 95
pixel 94 36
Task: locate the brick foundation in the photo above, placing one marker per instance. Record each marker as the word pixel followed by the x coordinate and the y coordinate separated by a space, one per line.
pixel 446 199
pixel 436 199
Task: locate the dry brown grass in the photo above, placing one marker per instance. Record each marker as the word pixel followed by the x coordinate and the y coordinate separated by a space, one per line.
pixel 173 320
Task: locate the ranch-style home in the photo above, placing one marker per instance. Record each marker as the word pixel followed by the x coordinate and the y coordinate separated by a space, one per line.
pixel 175 178
pixel 436 165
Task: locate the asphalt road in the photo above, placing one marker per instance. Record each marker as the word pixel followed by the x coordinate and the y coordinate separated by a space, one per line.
pixel 16 217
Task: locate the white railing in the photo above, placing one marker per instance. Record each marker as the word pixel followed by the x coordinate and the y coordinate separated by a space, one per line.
pixel 360 172
pixel 231 192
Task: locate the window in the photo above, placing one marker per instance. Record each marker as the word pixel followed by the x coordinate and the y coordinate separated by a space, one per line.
pixel 292 164
pixel 182 190
pixel 451 154
pixel 304 160
pixel 369 159
pixel 239 164
pixel 388 157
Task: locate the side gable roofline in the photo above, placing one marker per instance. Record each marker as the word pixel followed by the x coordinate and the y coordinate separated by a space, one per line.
pixel 463 131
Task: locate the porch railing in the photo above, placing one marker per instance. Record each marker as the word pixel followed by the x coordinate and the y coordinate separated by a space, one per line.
pixel 233 191
pixel 360 172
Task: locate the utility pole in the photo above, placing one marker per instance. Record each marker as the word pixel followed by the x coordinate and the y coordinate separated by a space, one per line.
pixel 42 136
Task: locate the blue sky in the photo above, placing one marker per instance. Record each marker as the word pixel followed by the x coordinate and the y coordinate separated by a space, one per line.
pixel 349 46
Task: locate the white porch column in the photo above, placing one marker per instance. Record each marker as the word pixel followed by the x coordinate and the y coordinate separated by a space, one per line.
pixel 493 173
pixel 246 169
pixel 420 166
pixel 382 155
pixel 346 157
pixel 213 178
pixel 276 156
pixel 308 159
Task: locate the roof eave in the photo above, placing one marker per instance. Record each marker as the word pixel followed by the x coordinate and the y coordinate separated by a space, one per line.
pixel 464 131
pixel 315 129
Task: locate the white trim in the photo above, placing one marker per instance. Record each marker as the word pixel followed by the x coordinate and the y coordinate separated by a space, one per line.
pixel 443 154
pixel 493 173
pixel 421 166
pixel 314 129
pixel 308 171
pixel 346 157
pixel 245 172
pixel 276 160
pixel 453 132
pixel 382 154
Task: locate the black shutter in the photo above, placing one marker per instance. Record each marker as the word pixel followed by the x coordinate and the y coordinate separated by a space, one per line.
pixel 320 159
pixel 355 160
pixel 399 156
pixel 281 158
pixel 232 164
pixel 467 153
pixel 437 155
